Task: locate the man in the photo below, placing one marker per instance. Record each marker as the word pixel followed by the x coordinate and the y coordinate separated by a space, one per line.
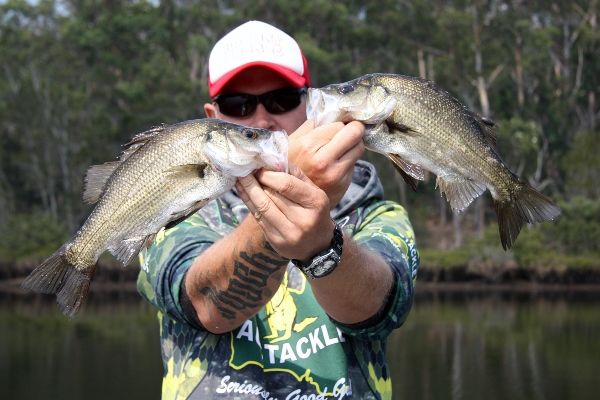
pixel 239 320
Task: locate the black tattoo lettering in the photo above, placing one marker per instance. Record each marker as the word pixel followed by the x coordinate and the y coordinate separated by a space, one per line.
pixel 251 277
pixel 245 289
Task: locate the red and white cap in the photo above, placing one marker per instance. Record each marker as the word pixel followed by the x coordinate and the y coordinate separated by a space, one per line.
pixel 254 44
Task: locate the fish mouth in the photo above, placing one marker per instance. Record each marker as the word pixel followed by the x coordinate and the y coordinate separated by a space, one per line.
pixel 239 159
pixel 314 102
pixel 323 107
pixel 274 151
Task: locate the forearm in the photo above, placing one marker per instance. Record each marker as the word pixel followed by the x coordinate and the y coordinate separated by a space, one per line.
pixel 358 288
pixel 234 278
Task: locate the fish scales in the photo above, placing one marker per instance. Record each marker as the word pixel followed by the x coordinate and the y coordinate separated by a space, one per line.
pixel 108 225
pixel 163 176
pixel 419 126
pixel 420 113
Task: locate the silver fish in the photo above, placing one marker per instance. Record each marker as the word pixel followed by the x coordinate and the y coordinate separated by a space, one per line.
pixel 421 127
pixel 163 175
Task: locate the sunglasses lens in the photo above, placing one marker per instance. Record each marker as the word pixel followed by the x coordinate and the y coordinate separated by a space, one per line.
pixel 281 101
pixel 276 102
pixel 237 105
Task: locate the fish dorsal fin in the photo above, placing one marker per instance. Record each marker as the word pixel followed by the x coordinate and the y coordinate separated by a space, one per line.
pixel 97 175
pixel 95 180
pixel 487 128
pixel 411 173
pixel 459 191
pixel 139 140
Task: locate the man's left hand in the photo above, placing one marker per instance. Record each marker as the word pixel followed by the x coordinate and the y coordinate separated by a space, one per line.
pixel 292 211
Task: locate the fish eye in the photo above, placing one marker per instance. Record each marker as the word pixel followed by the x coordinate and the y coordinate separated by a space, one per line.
pixel 345 89
pixel 250 134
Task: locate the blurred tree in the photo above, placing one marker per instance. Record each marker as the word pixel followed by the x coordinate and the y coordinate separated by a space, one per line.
pixel 80 77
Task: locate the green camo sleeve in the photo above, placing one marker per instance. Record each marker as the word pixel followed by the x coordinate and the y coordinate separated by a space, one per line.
pixel 164 264
pixel 386 230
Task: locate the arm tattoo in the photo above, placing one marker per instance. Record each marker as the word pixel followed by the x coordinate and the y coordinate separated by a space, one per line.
pixel 245 289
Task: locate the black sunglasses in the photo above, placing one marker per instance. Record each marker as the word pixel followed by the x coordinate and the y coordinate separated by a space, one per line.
pixel 243 105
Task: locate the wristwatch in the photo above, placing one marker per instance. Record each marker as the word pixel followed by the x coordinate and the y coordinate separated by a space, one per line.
pixel 323 263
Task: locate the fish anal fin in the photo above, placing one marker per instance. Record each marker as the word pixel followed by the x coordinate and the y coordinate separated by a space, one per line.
pixel 95 180
pixel 411 173
pixel 525 206
pixel 459 191
pixel 397 126
pixel 128 248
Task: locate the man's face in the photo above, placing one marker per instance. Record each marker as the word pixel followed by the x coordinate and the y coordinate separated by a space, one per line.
pixel 258 81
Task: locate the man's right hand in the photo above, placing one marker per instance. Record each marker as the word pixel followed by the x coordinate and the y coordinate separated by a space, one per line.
pixel 326 154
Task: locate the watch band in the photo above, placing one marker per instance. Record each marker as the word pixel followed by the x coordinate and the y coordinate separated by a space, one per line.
pixel 324 262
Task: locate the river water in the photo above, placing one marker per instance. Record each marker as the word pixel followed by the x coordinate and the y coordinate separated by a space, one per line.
pixel 458 345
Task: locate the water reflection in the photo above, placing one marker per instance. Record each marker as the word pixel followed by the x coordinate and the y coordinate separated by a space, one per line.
pixel 458 345
pixel 110 351
pixel 498 345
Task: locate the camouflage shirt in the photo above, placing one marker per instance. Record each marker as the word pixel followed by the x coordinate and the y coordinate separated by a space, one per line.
pixel 291 349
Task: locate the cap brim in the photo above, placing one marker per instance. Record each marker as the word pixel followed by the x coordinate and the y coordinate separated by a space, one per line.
pixel 292 77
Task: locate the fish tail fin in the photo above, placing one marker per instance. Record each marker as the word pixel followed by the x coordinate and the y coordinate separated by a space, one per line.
pixel 526 205
pixel 56 275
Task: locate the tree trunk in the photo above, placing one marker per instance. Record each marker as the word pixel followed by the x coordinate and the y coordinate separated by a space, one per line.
pixel 421 63
pixel 592 110
pixel 485 108
pixel 457 229
pixel 519 72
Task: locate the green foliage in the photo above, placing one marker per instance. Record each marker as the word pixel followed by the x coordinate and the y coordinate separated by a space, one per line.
pixel 582 166
pixel 433 258
pixel 576 231
pixel 519 142
pixel 569 242
pixel 30 236
pixel 79 78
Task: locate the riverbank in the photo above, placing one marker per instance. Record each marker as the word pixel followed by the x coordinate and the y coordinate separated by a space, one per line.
pixel 112 278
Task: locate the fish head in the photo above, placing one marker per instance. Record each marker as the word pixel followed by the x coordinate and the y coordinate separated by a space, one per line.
pixel 362 99
pixel 238 150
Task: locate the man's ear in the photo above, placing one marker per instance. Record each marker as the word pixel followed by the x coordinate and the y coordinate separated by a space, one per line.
pixel 210 110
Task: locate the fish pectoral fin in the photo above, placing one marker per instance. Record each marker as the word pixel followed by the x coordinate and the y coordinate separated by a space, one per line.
pixel 180 216
pixel 411 173
pixel 95 180
pixel 187 171
pixel 400 127
pixel 459 191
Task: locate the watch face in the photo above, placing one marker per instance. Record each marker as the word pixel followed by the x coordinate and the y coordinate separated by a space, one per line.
pixel 326 265
pixel 325 262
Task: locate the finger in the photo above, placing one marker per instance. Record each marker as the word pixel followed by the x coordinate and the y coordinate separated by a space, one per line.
pixel 348 159
pixel 345 139
pixel 259 204
pixel 303 129
pixel 317 135
pixel 299 191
